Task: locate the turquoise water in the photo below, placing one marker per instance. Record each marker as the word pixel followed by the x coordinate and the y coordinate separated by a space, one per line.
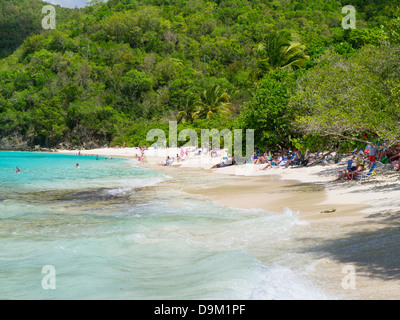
pixel 111 232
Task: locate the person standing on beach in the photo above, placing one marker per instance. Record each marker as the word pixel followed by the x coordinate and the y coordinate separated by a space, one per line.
pixel 141 158
pixel 371 152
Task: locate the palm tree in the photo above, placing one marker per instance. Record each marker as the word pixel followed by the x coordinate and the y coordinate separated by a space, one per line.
pixel 280 50
pixel 188 108
pixel 214 102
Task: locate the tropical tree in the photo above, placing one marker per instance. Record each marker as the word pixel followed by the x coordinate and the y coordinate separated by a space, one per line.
pixel 214 102
pixel 353 99
pixel 268 112
pixel 392 29
pixel 279 50
pixel 188 108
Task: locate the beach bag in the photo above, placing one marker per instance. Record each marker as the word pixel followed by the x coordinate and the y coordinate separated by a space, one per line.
pixel 385 159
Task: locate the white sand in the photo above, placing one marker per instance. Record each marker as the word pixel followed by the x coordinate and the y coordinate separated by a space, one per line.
pixel 381 192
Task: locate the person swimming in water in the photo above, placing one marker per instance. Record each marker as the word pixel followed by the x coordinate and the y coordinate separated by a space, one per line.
pixel 17 170
pixel 77 165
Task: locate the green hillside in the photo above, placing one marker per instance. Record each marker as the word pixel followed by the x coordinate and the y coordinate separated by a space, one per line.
pixel 21 18
pixel 112 71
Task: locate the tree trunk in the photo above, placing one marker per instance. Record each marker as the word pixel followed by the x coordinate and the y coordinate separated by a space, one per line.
pixel 337 152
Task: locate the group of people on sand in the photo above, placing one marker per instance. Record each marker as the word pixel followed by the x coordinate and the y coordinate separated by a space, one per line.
pixel 367 159
pixel 181 156
pixel 284 159
pixel 362 159
pixel 352 171
pixel 386 155
pixel 228 161
pixel 391 155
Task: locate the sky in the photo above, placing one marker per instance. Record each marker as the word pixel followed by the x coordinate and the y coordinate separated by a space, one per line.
pixel 69 3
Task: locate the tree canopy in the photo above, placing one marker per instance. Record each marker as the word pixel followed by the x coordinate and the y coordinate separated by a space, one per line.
pixel 114 69
pixel 347 98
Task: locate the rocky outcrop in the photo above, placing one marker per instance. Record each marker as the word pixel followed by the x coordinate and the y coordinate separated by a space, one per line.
pixel 18 143
pixel 14 143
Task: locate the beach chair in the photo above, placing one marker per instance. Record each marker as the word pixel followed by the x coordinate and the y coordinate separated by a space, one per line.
pixel 283 162
pixel 276 164
pixel 349 164
pixel 170 162
pixel 304 159
pixel 363 175
pixel 296 161
pixel 352 173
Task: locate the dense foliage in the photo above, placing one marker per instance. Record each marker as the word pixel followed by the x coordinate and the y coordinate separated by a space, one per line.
pixel 112 71
pixel 363 99
pixel 21 18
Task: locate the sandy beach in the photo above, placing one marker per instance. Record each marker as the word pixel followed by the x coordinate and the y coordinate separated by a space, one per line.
pixel 377 195
pixel 335 211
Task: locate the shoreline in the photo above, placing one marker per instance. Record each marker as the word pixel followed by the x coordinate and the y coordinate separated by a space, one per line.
pixel 379 194
pixel 346 208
